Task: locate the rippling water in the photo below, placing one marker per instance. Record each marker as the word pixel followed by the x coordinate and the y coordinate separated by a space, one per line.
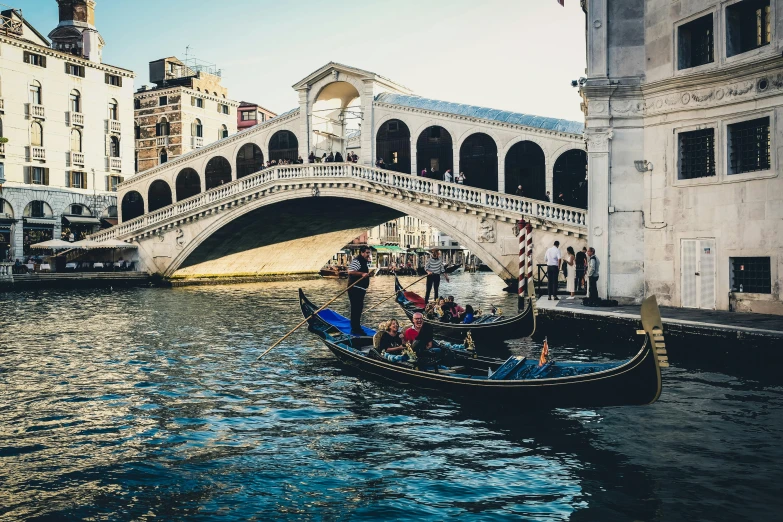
pixel 147 404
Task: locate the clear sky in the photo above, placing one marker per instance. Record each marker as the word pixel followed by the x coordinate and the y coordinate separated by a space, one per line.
pixel 517 55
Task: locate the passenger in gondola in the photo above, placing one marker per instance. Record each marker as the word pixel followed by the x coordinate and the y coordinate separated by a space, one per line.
pixel 449 308
pixel 468 316
pixel 388 341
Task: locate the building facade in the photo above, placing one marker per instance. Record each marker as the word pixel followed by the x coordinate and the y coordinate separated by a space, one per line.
pixel 185 110
pixel 683 103
pixel 66 121
pixel 250 114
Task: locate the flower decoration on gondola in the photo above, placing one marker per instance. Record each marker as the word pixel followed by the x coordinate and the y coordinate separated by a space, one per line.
pixel 408 350
pixel 470 345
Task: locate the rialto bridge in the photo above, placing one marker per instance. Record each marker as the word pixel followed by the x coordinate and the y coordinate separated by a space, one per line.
pixel 215 212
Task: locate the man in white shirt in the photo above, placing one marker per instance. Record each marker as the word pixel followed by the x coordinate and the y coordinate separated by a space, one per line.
pixel 552 270
pixel 447 177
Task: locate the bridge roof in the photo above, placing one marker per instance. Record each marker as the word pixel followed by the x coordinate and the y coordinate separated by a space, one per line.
pixel 484 113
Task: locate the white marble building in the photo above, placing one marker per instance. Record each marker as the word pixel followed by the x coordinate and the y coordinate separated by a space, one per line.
pixel 68 121
pixel 683 103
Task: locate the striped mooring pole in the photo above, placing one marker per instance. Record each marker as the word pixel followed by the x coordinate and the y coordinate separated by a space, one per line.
pixel 525 255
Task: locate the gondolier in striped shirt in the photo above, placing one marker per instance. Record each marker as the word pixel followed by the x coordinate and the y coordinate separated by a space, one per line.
pixel 359 271
pixel 434 269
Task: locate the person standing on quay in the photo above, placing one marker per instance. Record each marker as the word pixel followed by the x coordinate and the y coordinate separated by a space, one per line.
pixel 581 266
pixel 434 269
pixel 552 269
pixel 359 271
pixel 569 266
pixel 593 264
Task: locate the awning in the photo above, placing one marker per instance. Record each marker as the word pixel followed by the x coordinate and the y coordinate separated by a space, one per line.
pixel 387 249
pixel 82 220
pixel 416 251
pixel 111 221
pixel 39 221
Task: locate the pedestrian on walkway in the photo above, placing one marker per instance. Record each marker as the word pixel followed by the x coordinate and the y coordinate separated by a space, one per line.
pixel 569 270
pixel 461 178
pixel 519 192
pixel 593 265
pixel 553 259
pixel 448 177
pixel 581 266
pixel 547 197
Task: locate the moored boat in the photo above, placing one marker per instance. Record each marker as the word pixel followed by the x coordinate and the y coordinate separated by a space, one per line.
pixel 525 383
pixel 485 330
pixel 334 272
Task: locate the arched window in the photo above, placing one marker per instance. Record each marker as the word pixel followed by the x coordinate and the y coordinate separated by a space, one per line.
pixel 36 134
pixel 434 151
pixel 114 147
pixel 76 101
pixel 478 159
pixel 218 172
pixel 36 93
pixel 188 184
pixel 570 179
pixel 137 131
pixel 250 159
pixel 114 110
pixel 76 140
pixel 196 129
pixel 283 145
pixel 526 166
pixel 132 205
pixel 162 128
pixel 393 145
pixel 222 132
pixel 164 156
pixel 159 195
pixel 38 209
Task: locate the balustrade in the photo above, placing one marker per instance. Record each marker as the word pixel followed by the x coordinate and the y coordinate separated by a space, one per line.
pixel 37 111
pixel 161 141
pixel 2 105
pixel 38 153
pixel 197 142
pixel 76 118
pixel 115 127
pixel 115 163
pixel 2 149
pixel 77 158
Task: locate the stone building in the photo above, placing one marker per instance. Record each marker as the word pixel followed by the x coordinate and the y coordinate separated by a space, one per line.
pixel 67 119
pixel 250 114
pixel 683 103
pixel 185 110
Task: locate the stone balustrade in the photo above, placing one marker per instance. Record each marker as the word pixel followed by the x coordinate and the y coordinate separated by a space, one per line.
pixel 115 127
pixel 38 153
pixel 2 105
pixel 161 141
pixel 76 118
pixel 486 200
pixel 198 142
pixel 2 149
pixel 115 163
pixel 37 111
pixel 6 271
pixel 77 159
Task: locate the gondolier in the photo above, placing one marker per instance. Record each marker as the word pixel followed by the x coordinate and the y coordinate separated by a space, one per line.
pixel 434 269
pixel 359 271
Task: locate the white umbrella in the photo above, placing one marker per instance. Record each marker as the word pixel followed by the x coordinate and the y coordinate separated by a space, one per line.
pixel 56 244
pixel 109 243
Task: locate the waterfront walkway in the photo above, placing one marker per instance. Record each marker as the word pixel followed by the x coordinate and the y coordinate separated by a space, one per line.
pixel 729 325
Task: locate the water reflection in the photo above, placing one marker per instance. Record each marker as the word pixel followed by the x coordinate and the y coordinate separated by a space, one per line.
pixel 148 403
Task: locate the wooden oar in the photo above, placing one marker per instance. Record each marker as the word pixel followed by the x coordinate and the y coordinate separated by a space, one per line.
pixel 307 319
pixel 395 293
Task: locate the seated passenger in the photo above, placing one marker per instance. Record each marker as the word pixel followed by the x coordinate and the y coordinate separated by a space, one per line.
pixel 391 339
pixel 467 317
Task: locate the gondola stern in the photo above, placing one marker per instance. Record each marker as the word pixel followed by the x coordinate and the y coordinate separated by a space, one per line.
pixel 652 325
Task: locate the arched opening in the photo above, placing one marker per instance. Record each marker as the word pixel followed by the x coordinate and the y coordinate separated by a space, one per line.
pixel 109 216
pixel 222 132
pixel 336 114
pixel 250 159
pixel 283 146
pixel 36 134
pixel 197 129
pixel 76 140
pixel 158 195
pixel 218 172
pixel 434 151
pixel 76 101
pixel 77 222
pixel 114 147
pixel 36 93
pixel 164 156
pixel 478 159
pixel 132 206
pixel 163 128
pixel 570 179
pixel 6 228
pixel 526 166
pixel 114 110
pixel 38 226
pixel 393 146
pixel 188 184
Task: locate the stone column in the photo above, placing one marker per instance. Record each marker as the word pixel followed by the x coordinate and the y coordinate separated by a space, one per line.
pixel 597 39
pixel 501 171
pixel 598 144
pixel 367 156
pixel 455 155
pixel 304 124
pixel 414 156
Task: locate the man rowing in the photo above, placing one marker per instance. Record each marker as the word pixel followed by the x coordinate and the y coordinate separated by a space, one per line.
pixel 358 272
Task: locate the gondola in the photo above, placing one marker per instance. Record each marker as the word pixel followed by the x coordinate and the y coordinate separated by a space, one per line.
pixel 334 272
pixel 452 268
pixel 517 381
pixel 486 330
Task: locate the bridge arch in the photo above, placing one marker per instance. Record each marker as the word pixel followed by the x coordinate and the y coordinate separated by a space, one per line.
pixel 283 145
pixel 570 178
pixel 478 159
pixel 393 145
pixel 132 206
pixel 526 166
pixel 188 184
pixel 250 159
pixel 434 149
pixel 335 111
pixel 158 195
pixel 218 172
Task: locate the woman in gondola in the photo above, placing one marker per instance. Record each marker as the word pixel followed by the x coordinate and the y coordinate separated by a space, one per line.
pixel 388 341
pixel 468 316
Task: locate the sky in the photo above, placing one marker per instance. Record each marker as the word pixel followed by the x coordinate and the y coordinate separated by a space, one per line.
pixel 517 55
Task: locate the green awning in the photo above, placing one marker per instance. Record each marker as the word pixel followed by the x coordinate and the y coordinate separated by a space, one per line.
pixel 387 249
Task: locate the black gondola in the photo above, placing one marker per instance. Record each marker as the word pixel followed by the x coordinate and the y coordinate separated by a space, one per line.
pixel 486 330
pixel 452 268
pixel 524 383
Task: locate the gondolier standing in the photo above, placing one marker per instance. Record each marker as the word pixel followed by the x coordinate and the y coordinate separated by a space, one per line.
pixel 434 269
pixel 358 270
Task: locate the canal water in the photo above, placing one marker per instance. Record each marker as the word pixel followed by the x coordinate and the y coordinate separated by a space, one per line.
pixel 145 404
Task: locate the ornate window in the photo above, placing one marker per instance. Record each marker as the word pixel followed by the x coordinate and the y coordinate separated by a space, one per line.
pixel 697 154
pixel 748 26
pixel 749 146
pixel 75 101
pixel 35 93
pixel 36 134
pixel 76 141
pixel 114 147
pixel 696 43
pixel 113 110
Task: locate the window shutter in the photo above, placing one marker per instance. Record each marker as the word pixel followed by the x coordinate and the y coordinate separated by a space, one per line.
pixel 66 68
pixel 28 174
pixel 108 183
pixel 84 180
pixel 68 179
pixel 82 70
pixel 43 64
pixel 193 129
pixel 46 177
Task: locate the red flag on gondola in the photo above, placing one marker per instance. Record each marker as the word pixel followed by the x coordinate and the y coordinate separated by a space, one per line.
pixel 544 353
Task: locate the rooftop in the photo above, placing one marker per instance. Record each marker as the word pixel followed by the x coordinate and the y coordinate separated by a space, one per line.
pixel 473 111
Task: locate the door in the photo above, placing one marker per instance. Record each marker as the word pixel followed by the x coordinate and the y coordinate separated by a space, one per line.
pixel 698 273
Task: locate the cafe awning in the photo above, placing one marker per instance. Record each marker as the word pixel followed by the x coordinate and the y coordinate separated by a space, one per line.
pixel 110 221
pixel 55 244
pixel 90 244
pixel 39 221
pixel 82 220
pixel 387 249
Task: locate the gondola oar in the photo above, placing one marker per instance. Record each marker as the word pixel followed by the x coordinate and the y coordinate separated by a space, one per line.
pixel 308 318
pixel 394 294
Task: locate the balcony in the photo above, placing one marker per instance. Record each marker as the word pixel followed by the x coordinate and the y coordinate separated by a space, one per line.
pixel 2 105
pixel 2 149
pixel 198 142
pixel 115 163
pixel 36 111
pixel 38 153
pixel 115 127
pixel 162 141
pixel 76 118
pixel 77 159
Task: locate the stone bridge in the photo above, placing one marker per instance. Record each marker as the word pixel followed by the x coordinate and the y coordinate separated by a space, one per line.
pixel 291 219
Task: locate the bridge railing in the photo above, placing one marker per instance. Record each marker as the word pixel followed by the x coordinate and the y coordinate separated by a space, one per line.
pixel 448 191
